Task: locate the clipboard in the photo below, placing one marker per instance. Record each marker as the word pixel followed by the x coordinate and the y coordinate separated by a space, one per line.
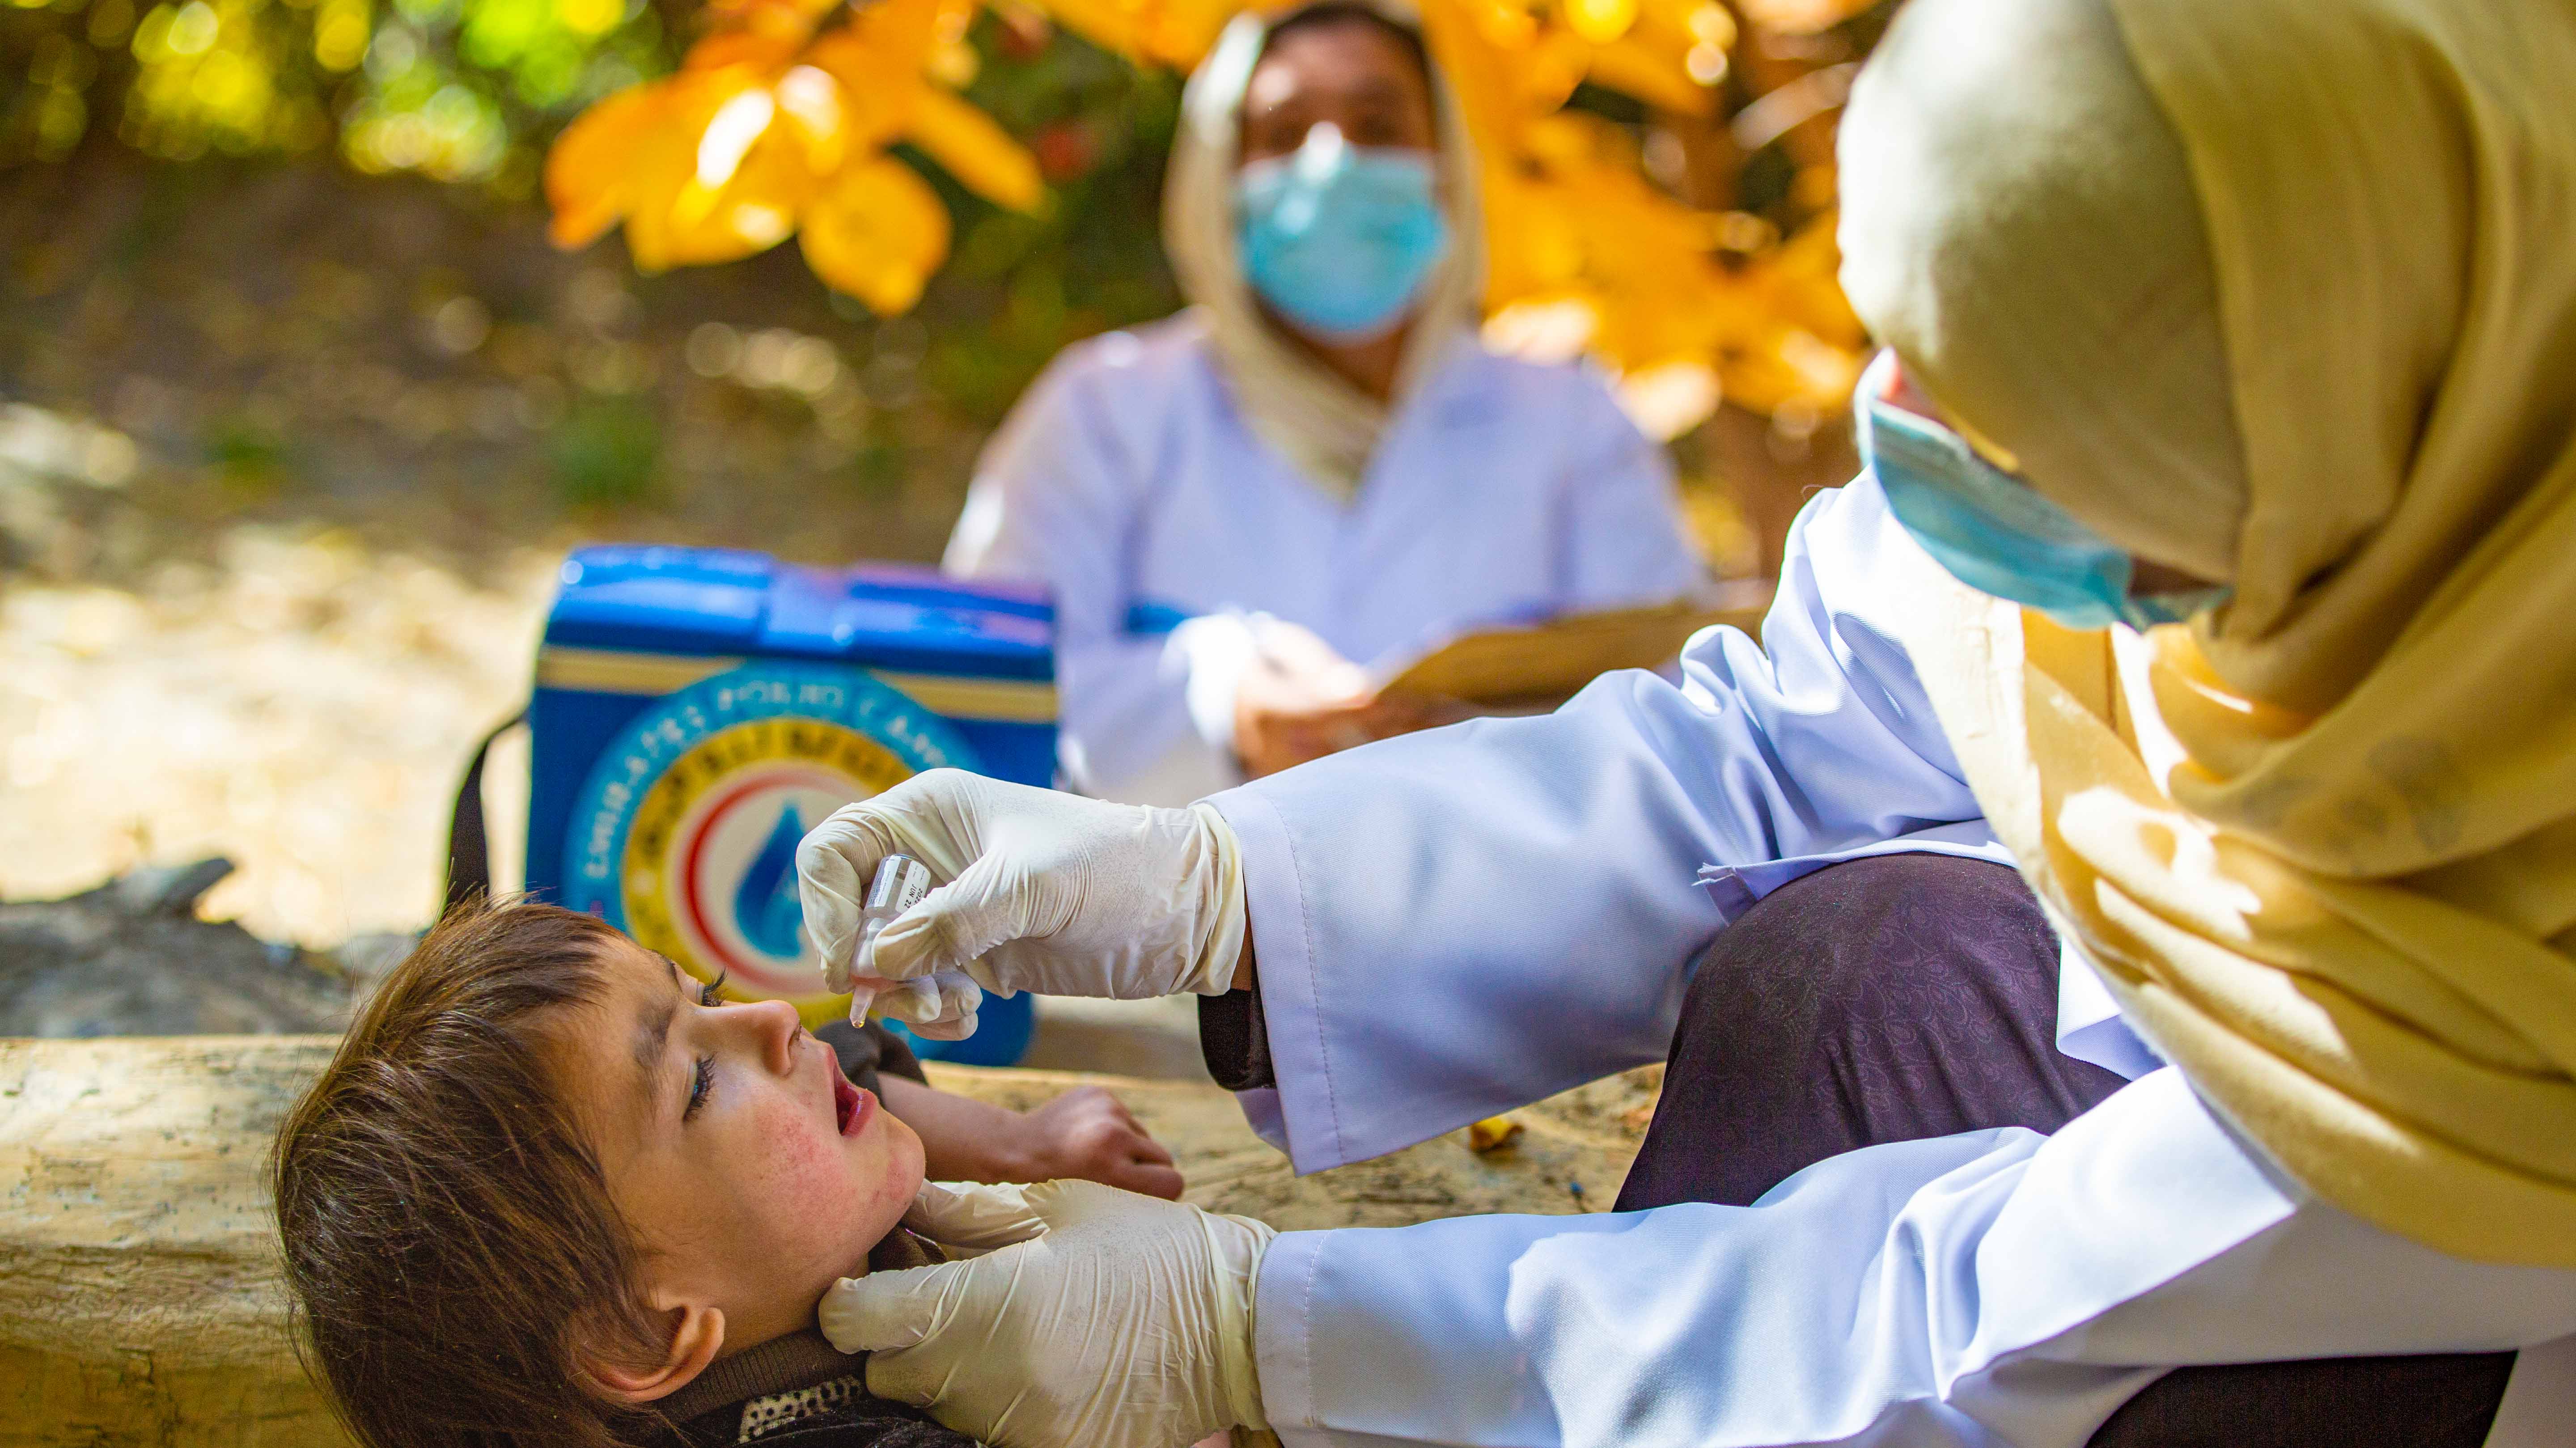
pixel 1549 661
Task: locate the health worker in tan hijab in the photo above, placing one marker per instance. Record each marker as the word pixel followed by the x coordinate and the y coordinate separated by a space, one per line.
pixel 1249 510
pixel 2113 945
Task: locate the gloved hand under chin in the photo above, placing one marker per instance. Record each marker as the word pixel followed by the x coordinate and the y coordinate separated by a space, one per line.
pixel 1093 1317
pixel 1044 891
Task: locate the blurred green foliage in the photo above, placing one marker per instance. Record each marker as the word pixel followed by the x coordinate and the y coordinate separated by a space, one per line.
pixel 461 90
pixel 249 458
pixel 605 451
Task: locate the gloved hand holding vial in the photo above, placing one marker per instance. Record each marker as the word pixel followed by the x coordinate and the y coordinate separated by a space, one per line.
pixel 1044 891
pixel 939 1007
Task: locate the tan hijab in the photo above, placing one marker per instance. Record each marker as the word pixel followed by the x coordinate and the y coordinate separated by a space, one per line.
pixel 2282 292
pixel 1308 412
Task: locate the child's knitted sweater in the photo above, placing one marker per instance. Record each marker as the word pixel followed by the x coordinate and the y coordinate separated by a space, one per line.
pixel 801 1392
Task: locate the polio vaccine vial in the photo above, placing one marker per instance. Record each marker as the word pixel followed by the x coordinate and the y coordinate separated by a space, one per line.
pixel 897 886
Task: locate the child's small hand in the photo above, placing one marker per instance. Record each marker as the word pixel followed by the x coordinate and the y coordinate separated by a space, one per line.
pixel 1084 1133
pixel 1088 1133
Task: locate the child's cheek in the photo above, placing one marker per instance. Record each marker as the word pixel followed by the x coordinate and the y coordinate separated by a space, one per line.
pixel 884 1173
pixel 897 1169
pixel 798 1164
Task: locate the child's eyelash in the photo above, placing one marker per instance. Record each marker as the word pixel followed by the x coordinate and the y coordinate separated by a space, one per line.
pixel 701 1080
pixel 702 1077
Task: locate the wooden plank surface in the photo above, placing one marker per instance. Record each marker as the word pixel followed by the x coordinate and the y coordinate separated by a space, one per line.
pixel 139 1297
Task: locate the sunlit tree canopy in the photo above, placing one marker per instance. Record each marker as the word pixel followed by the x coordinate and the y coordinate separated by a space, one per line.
pixel 1657 174
pixel 779 121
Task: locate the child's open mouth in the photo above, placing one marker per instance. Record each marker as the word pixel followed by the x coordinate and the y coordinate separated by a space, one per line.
pixel 850 1105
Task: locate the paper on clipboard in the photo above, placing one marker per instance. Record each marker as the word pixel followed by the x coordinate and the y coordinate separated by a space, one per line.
pixel 1548 661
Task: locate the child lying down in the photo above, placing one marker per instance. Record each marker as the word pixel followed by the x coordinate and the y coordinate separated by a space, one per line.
pixel 552 1191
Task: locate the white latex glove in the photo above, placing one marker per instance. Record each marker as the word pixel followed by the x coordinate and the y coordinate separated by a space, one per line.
pixel 1093 1317
pixel 1042 891
pixel 943 1004
pixel 938 1007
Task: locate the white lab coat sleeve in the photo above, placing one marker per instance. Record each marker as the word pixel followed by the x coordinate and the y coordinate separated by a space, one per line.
pixel 1056 501
pixel 1624 538
pixel 1989 1288
pixel 1457 922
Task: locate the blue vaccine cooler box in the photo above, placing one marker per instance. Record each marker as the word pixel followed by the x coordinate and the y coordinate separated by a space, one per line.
pixel 698 710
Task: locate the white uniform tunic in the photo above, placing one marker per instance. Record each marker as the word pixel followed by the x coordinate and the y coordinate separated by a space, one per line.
pixel 1127 482
pixel 1456 923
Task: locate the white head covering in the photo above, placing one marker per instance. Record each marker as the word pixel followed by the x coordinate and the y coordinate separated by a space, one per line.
pixel 1310 413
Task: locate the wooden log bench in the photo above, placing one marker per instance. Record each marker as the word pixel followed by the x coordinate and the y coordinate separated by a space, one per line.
pixel 139 1297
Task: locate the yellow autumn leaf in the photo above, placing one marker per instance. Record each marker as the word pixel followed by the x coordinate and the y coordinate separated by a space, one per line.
pixel 902 32
pixel 1491 95
pixel 1656 75
pixel 1806 271
pixel 954 64
pixel 1504 24
pixel 948 26
pixel 972 147
pixel 1600 21
pixel 812 108
pixel 748 49
pixel 751 181
pixel 588 169
pixel 877 95
pixel 791 21
pixel 1546 71
pixel 662 161
pixel 1561 142
pixel 723 13
pixel 876 231
pixel 1182 32
pixel 756 129
pixel 1635 333
pixel 1531 246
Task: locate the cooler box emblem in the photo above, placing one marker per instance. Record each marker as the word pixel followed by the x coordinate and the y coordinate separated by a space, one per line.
pixel 688 823
pixel 673 784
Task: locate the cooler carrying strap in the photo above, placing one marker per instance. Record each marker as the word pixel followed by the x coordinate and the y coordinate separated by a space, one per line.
pixel 469 844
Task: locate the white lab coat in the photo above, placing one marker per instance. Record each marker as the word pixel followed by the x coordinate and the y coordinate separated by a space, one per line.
pixel 1460 922
pixel 1501 489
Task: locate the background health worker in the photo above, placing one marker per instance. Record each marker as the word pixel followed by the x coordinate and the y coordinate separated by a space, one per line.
pixel 2254 313
pixel 1316 462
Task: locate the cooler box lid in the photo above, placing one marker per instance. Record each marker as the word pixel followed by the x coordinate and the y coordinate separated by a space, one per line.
pixel 731 602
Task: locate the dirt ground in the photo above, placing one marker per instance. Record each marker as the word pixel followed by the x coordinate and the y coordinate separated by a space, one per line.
pixel 302 704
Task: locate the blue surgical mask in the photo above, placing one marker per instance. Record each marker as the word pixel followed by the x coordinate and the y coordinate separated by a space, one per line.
pixel 1996 534
pixel 1339 238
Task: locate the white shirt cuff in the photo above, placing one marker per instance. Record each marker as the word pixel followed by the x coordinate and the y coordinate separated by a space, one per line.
pixel 1281 1354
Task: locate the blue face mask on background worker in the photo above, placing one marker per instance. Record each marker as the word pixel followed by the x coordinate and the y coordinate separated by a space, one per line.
pixel 1995 533
pixel 1339 238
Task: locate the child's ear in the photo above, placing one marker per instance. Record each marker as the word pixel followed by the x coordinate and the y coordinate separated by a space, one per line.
pixel 696 1335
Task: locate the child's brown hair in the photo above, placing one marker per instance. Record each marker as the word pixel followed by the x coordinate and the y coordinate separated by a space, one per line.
pixel 449 1237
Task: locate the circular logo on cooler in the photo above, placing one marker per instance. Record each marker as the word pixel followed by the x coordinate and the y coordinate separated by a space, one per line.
pixel 684 836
